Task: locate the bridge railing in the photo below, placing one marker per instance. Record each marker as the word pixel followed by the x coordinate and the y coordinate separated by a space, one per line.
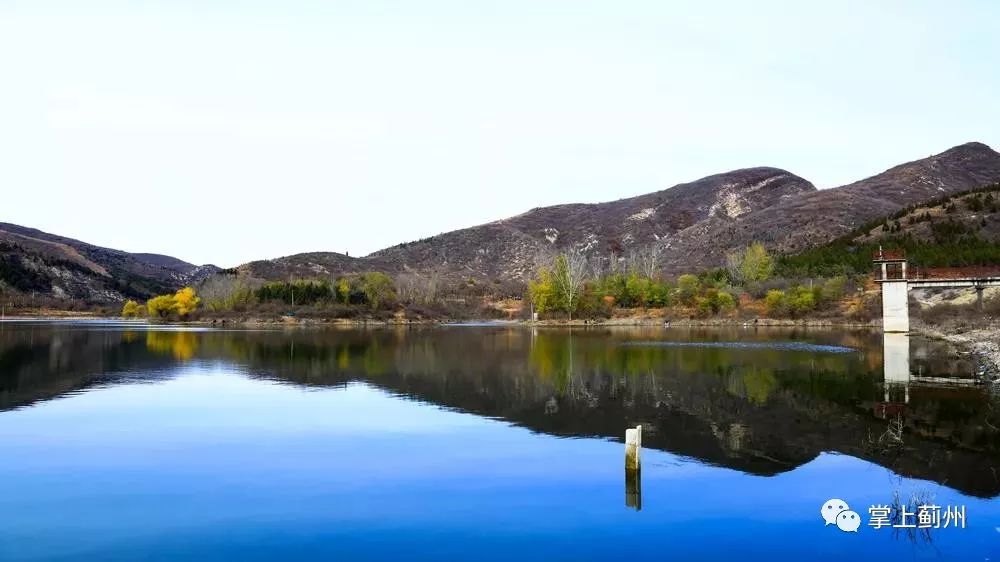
pixel 888 255
pixel 968 272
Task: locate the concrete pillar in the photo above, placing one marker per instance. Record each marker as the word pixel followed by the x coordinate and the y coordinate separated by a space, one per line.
pixel 979 298
pixel 633 482
pixel 895 306
pixel 884 271
pixel 633 444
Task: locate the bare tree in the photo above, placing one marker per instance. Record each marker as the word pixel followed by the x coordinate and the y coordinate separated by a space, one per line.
pixel 568 277
pixel 222 291
pixel 599 266
pixel 734 265
pixel 419 287
pixel 646 259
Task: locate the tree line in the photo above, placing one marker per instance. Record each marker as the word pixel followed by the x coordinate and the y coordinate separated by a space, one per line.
pixel 179 305
pixel 569 285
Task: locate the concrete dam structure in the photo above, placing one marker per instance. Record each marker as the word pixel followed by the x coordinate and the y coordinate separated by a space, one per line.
pixel 892 275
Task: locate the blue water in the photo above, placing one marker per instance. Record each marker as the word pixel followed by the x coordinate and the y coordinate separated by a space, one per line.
pixel 205 460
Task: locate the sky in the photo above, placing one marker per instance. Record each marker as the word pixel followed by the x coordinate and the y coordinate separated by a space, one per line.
pixel 223 131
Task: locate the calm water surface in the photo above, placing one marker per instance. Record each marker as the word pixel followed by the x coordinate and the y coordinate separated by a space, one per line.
pixel 484 443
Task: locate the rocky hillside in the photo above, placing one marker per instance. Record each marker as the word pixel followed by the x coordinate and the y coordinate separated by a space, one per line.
pixel 511 248
pixel 36 262
pixel 311 265
pixel 811 219
pixel 692 225
pixel 957 231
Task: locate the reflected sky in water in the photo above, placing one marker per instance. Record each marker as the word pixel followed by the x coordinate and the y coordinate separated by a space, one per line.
pixel 472 443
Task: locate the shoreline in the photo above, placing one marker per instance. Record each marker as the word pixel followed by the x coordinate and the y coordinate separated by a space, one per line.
pixel 582 323
pixel 638 321
pixel 983 342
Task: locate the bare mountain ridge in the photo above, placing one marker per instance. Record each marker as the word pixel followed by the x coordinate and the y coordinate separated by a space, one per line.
pixel 53 265
pixel 812 219
pixel 693 224
pixel 510 248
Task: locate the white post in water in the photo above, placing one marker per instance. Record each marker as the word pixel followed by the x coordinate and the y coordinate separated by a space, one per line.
pixel 633 444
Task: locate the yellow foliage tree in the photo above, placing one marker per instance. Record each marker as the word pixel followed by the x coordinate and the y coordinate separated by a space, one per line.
pixel 186 301
pixel 131 309
pixel 542 291
pixel 182 303
pixel 161 306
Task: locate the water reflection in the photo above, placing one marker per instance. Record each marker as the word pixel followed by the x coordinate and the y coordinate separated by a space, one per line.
pixel 896 373
pixel 633 489
pixel 769 405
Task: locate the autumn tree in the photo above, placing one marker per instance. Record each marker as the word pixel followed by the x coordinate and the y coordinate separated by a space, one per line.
pixel 344 290
pixel 181 303
pixel 161 306
pixel 752 264
pixel 542 292
pixel 132 309
pixel 378 288
pixel 186 301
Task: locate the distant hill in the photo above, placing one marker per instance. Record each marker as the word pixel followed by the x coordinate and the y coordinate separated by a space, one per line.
pixel 311 265
pixel 692 225
pixel 32 261
pixel 813 219
pixel 954 231
pixel 511 248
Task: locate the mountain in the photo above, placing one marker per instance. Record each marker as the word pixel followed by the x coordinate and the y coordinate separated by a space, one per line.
pixel 311 265
pixel 956 231
pixel 689 227
pixel 510 248
pixel 692 225
pixel 32 261
pixel 798 223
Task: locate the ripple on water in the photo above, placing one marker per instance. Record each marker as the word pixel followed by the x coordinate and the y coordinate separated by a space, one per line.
pixel 781 346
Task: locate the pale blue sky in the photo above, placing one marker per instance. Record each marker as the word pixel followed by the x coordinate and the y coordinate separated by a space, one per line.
pixel 229 131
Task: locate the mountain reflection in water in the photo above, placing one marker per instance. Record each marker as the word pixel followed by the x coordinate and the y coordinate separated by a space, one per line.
pixel 762 401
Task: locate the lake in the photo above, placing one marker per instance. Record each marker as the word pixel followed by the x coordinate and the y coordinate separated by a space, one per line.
pixel 128 442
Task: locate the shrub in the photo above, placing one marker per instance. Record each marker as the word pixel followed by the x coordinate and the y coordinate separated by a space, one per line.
pixel 776 303
pixel 833 288
pixel 715 301
pixel 801 300
pixel 687 289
